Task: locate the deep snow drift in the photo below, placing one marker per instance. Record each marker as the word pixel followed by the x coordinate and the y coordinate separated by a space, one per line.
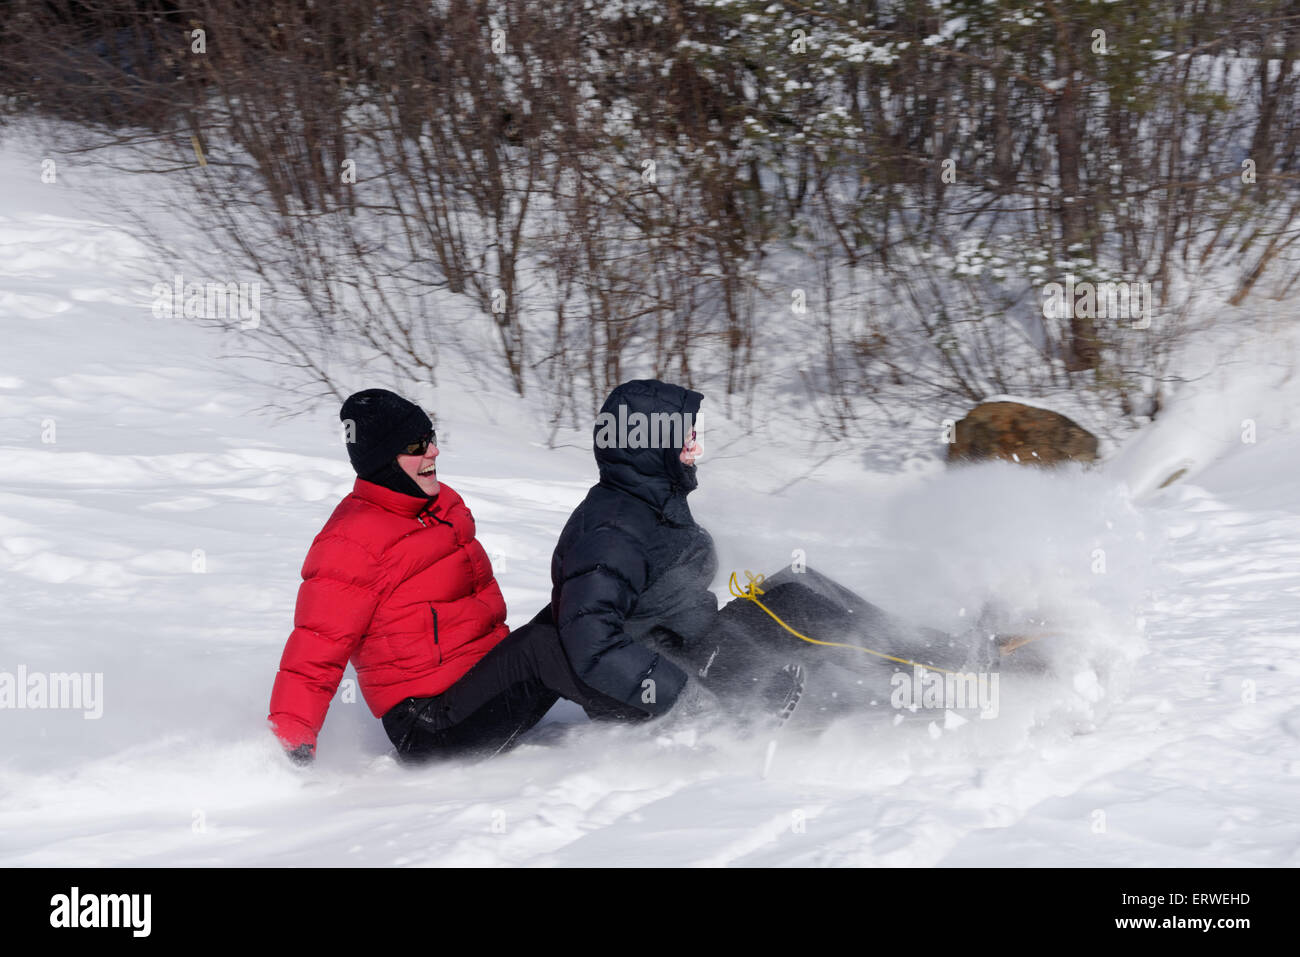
pixel 152 524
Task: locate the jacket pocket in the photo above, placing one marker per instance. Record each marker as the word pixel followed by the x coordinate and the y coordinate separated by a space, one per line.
pixel 437 646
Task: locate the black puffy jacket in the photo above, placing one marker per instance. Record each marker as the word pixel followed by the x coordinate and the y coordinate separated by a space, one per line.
pixel 631 571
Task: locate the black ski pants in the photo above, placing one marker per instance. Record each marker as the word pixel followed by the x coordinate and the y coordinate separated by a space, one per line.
pixel 506 693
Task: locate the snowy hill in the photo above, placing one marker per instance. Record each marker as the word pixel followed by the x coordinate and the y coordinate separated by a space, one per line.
pixel 152 523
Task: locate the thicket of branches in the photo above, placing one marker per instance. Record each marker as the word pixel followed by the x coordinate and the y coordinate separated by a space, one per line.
pixel 856 198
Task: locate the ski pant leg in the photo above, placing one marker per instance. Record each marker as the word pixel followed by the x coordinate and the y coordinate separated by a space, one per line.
pixel 841 678
pixel 747 645
pixel 736 654
pixel 502 696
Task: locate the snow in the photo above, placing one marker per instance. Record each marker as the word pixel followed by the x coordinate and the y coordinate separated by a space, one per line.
pixel 153 520
pixel 1241 405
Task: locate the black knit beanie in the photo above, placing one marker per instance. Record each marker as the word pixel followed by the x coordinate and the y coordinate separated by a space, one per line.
pixel 382 425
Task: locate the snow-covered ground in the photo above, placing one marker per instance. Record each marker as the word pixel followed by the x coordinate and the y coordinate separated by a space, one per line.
pixel 152 523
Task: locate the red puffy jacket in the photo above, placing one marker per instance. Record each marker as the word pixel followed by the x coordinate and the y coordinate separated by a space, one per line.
pixel 400 587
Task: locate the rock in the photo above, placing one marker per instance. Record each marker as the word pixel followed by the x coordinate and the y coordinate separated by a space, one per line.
pixel 1020 433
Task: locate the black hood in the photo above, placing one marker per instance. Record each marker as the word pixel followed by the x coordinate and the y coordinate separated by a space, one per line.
pixel 652 471
pixel 391 476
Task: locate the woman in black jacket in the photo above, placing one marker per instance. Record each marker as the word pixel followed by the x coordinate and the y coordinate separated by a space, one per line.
pixel 630 594
pixel 631 572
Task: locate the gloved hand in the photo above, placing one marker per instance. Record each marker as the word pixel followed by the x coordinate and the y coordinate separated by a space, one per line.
pixel 662 637
pixel 302 755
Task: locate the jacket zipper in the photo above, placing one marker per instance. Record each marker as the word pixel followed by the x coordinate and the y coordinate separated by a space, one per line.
pixel 433 611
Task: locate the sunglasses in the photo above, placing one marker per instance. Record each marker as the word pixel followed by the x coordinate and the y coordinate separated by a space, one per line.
pixel 421 445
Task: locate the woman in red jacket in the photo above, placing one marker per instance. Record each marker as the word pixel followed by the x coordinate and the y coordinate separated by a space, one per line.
pixel 397 583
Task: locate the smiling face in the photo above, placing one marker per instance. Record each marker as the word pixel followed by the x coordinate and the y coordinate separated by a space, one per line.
pixel 422 469
pixel 692 449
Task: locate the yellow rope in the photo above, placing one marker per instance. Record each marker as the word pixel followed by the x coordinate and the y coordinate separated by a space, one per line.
pixel 753 589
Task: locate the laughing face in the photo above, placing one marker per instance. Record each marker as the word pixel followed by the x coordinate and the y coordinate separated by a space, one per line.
pixel 422 469
pixel 692 449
